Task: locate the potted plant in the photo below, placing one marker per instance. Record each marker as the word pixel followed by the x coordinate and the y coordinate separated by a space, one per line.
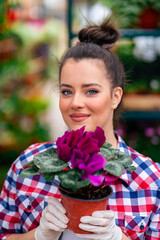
pixel 136 13
pixel 86 165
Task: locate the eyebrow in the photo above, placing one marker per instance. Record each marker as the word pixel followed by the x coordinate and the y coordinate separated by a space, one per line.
pixel 83 86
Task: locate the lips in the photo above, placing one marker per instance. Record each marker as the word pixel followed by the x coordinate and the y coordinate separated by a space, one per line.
pixel 79 117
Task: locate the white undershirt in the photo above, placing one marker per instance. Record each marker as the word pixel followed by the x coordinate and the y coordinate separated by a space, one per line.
pixel 69 235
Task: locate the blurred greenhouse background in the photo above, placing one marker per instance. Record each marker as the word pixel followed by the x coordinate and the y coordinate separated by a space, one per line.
pixel 34 35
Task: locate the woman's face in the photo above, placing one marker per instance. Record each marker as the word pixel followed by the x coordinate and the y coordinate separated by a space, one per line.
pixel 85 95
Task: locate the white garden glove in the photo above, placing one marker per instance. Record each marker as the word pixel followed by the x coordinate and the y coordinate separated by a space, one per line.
pixel 53 221
pixel 101 225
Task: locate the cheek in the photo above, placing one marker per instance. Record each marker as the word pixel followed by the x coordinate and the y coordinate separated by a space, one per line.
pixel 62 106
pixel 101 105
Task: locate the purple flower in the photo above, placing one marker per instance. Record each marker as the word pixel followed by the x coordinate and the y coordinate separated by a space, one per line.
pixel 96 180
pixel 77 159
pixel 74 136
pixel 91 142
pixel 99 135
pixel 86 142
pixel 93 164
pixel 109 179
pixel 64 152
pixel 82 148
pixel 67 143
pixel 89 165
pixel 149 132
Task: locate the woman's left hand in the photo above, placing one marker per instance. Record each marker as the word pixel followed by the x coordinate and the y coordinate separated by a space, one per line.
pixel 101 225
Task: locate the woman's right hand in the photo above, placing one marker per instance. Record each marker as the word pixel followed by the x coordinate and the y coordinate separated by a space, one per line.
pixel 53 221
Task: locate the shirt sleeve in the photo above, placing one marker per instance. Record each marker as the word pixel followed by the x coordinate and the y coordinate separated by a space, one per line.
pixel 9 215
pixel 23 200
pixel 153 232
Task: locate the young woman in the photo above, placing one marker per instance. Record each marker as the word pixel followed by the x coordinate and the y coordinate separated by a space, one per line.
pixel 91 87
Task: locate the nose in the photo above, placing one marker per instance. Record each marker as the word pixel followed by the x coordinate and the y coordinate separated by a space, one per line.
pixel 77 101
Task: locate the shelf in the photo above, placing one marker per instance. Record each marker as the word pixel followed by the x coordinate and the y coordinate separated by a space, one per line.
pixel 140 32
pixel 141 106
pixel 141 115
pixel 141 102
pixel 130 33
pixel 135 106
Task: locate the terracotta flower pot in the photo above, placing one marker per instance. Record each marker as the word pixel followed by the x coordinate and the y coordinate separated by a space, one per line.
pixel 76 208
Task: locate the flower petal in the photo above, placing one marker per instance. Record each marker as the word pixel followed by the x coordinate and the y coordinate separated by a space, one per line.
pixel 64 152
pixel 96 162
pixel 88 144
pixel 96 180
pixel 109 178
pixel 100 136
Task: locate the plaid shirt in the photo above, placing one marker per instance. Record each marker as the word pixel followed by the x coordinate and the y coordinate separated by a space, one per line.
pixel 135 199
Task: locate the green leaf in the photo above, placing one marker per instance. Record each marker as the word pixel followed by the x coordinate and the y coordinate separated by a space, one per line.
pixel 114 168
pixel 49 176
pixel 30 171
pixel 48 161
pixel 99 172
pixel 106 152
pixel 123 159
pixel 82 183
pixel 71 179
pixel 106 145
pixel 131 168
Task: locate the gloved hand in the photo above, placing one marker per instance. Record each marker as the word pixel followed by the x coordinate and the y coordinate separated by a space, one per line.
pixel 101 225
pixel 53 221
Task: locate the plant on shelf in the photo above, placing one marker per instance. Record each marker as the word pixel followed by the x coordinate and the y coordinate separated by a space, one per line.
pixel 27 63
pixel 136 13
pixel 143 74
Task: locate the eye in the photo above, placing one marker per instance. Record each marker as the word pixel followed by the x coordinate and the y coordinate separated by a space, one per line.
pixel 66 92
pixel 92 92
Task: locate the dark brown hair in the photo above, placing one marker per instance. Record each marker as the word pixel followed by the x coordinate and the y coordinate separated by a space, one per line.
pixel 95 43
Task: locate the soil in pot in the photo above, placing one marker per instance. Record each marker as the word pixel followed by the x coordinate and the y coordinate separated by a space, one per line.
pixel 76 207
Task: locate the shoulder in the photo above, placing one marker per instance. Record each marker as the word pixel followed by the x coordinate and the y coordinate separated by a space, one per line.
pixel 28 154
pixel 147 173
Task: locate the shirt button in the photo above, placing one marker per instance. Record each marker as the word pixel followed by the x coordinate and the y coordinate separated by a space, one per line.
pixel 142 227
pixel 29 207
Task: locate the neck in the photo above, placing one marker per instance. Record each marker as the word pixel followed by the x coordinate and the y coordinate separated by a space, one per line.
pixel 110 137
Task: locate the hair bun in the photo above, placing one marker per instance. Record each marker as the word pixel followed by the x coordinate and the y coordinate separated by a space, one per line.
pixel 104 35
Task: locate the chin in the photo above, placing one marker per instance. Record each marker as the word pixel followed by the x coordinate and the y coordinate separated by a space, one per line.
pixel 78 126
pixel 90 129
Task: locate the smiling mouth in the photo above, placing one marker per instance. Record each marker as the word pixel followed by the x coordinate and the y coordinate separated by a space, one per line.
pixel 79 117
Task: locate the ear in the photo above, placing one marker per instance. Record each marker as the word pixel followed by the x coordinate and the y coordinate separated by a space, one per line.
pixel 116 96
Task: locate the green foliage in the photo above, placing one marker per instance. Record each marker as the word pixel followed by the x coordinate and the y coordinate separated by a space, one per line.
pixel 114 168
pixel 117 161
pixel 48 161
pixel 28 62
pixel 128 11
pixel 28 172
pixel 71 180
pixel 50 176
pixel 139 73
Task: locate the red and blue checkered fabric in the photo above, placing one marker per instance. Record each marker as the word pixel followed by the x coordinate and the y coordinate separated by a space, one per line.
pixel 135 199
